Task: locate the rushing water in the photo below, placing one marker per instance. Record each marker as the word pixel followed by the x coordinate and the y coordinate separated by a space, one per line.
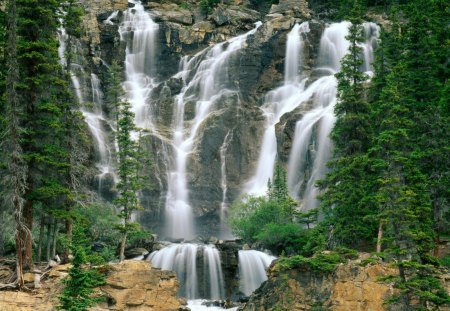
pixel 206 81
pixel 184 260
pixel 311 146
pixel 139 31
pixel 277 103
pixel 92 115
pixel 252 269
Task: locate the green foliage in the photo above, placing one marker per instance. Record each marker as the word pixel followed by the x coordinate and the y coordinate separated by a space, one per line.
pixel 78 294
pixel 289 238
pixel 347 200
pixel 208 5
pixel 270 219
pixel 184 5
pixel 322 262
pixel 445 261
pixel 130 182
pixel 422 285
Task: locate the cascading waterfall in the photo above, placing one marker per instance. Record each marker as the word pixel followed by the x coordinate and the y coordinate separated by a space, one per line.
pixel 183 259
pixel 277 103
pixel 311 145
pixel 225 232
pixel 206 81
pixel 139 31
pixel 94 116
pixel 252 269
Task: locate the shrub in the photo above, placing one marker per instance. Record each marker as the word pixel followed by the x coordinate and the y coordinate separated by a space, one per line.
pixel 320 262
pixel 78 294
pixel 289 238
pixel 207 5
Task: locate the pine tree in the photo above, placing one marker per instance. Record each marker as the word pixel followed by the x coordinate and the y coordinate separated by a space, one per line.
pixel 14 181
pixel 346 200
pixel 78 294
pixel 411 90
pixel 129 182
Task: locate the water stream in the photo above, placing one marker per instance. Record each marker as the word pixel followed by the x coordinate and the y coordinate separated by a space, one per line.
pixel 206 81
pixel 277 103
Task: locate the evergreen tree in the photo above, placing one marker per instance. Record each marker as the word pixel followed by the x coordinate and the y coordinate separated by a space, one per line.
pixel 129 182
pixel 411 90
pixel 39 68
pixel 81 281
pixel 14 181
pixel 346 200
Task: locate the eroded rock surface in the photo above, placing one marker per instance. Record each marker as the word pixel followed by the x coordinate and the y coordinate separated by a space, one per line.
pixel 130 285
pixel 350 287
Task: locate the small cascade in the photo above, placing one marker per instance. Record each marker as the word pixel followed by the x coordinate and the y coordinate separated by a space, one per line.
pixel 206 80
pixel 97 119
pixel 252 269
pixel 311 147
pixel 225 232
pixel 93 116
pixel 277 103
pixel 195 281
pixel 139 31
pixel 213 272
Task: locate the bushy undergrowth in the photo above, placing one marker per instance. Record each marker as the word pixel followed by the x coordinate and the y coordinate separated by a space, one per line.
pixel 323 262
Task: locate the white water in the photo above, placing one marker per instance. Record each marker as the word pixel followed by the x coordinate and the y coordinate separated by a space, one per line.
pixel 93 116
pixel 277 103
pixel 200 305
pixel 225 232
pixel 311 143
pixel 182 258
pixel 252 269
pixel 139 31
pixel 206 80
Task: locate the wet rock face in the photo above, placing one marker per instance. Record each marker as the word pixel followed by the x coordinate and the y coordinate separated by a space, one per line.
pixel 253 71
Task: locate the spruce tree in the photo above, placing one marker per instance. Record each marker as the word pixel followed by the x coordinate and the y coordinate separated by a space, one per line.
pixel 406 133
pixel 14 181
pixel 129 182
pixel 346 201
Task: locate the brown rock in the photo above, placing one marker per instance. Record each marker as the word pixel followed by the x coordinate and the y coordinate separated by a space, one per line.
pixel 131 285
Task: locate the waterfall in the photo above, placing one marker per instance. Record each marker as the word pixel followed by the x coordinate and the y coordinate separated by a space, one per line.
pixel 184 260
pixel 252 269
pixel 225 232
pixel 311 147
pixel 213 269
pixel 277 103
pixel 139 31
pixel 92 116
pixel 206 80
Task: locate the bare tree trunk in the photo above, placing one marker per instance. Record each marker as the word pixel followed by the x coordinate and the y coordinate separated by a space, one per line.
pixel 380 237
pixel 27 236
pixel 41 237
pixel 55 237
pixel 122 247
pixel 16 166
pixel 49 236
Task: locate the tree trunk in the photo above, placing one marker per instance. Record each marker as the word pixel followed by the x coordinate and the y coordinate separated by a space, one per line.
pixel 122 247
pixel 380 237
pixel 28 236
pixel 41 237
pixel 49 236
pixel 55 237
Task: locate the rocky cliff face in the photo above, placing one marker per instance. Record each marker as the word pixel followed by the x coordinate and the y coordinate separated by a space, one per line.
pixel 350 287
pixel 237 121
pixel 130 285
